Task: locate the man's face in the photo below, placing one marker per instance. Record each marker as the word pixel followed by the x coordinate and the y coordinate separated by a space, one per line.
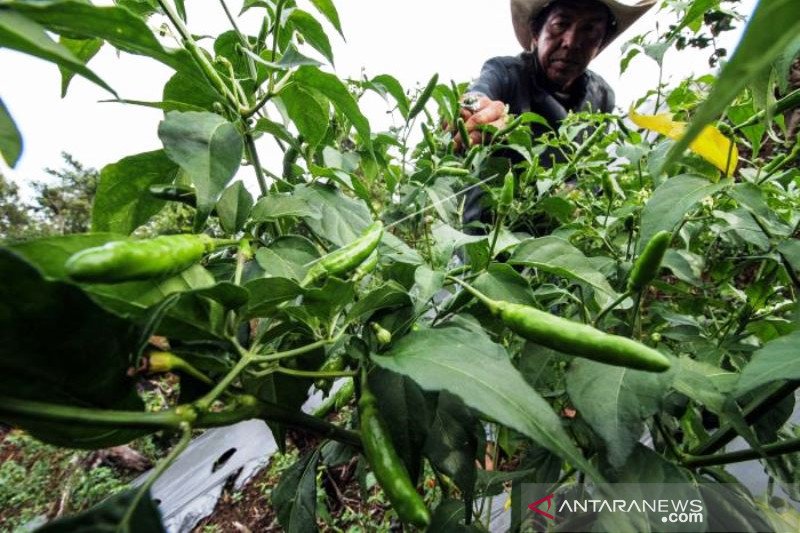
pixel 570 38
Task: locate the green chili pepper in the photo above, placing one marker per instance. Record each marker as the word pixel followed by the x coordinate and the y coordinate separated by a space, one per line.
pixel 160 362
pixel 646 267
pixel 174 193
pixel 334 363
pixel 337 400
pixel 506 194
pixel 427 92
pixel 383 336
pixel 367 266
pixel 462 130
pixel 508 128
pixel 347 257
pixel 571 337
pixel 119 261
pixel 429 140
pixel 387 465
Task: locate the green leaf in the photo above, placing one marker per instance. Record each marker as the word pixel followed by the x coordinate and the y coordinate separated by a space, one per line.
pixel 449 517
pixel 753 199
pixel 208 148
pixel 20 33
pixel 384 83
pixel 559 257
pixel 730 508
pixel 307 113
pixel 340 219
pixel 615 402
pixel 287 257
pixel 456 360
pixel 333 88
pixel 390 295
pixel 71 370
pixel 143 8
pixel 327 8
pixel 225 293
pixel 122 202
pixel 502 282
pixel 671 201
pixel 427 282
pixel 184 91
pixel 452 442
pixel 773 26
pixel 307 26
pixel 292 58
pixel 777 360
pixel 706 384
pixel 403 407
pixel 83 50
pixel 741 223
pixel 295 496
pixel 790 251
pixel 687 266
pixel 647 476
pixel 277 130
pixel 233 207
pixel 116 25
pixel 267 293
pixel 10 137
pixel 275 206
pixel 109 516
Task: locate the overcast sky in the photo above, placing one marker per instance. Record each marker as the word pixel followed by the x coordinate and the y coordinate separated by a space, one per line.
pixel 409 39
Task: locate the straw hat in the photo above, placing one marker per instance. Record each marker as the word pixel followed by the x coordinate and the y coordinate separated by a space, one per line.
pixel 523 11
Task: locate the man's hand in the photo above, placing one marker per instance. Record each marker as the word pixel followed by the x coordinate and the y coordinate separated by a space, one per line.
pixel 486 111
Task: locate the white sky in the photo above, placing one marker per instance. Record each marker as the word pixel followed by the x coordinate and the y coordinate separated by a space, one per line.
pixel 409 39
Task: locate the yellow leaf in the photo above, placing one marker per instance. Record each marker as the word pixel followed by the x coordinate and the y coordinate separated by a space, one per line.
pixel 711 144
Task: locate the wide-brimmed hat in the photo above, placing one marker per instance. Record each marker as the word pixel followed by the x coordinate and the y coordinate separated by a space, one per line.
pixel 523 11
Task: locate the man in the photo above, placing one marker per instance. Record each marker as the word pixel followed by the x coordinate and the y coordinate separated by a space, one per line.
pixel 550 77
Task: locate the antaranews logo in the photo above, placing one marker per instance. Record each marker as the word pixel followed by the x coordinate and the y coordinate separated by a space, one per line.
pixel 535 506
pixel 666 507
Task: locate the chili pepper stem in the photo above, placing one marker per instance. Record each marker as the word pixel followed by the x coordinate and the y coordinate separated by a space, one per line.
pixel 491 304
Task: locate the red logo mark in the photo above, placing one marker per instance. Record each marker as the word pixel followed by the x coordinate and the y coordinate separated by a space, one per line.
pixel 535 506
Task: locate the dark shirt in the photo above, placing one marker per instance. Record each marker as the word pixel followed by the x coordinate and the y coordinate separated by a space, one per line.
pixel 519 82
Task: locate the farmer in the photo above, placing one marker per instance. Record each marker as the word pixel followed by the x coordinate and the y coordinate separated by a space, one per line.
pixel 550 77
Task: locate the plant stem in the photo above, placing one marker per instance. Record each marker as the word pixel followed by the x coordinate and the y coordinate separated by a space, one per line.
pixel 314 374
pixel 252 154
pixel 497 224
pixel 14 407
pixel 242 40
pixel 277 356
pixel 186 436
pixel 770 450
pixel 751 413
pixel 621 298
pixel 491 304
pixel 205 402
pixel 205 67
